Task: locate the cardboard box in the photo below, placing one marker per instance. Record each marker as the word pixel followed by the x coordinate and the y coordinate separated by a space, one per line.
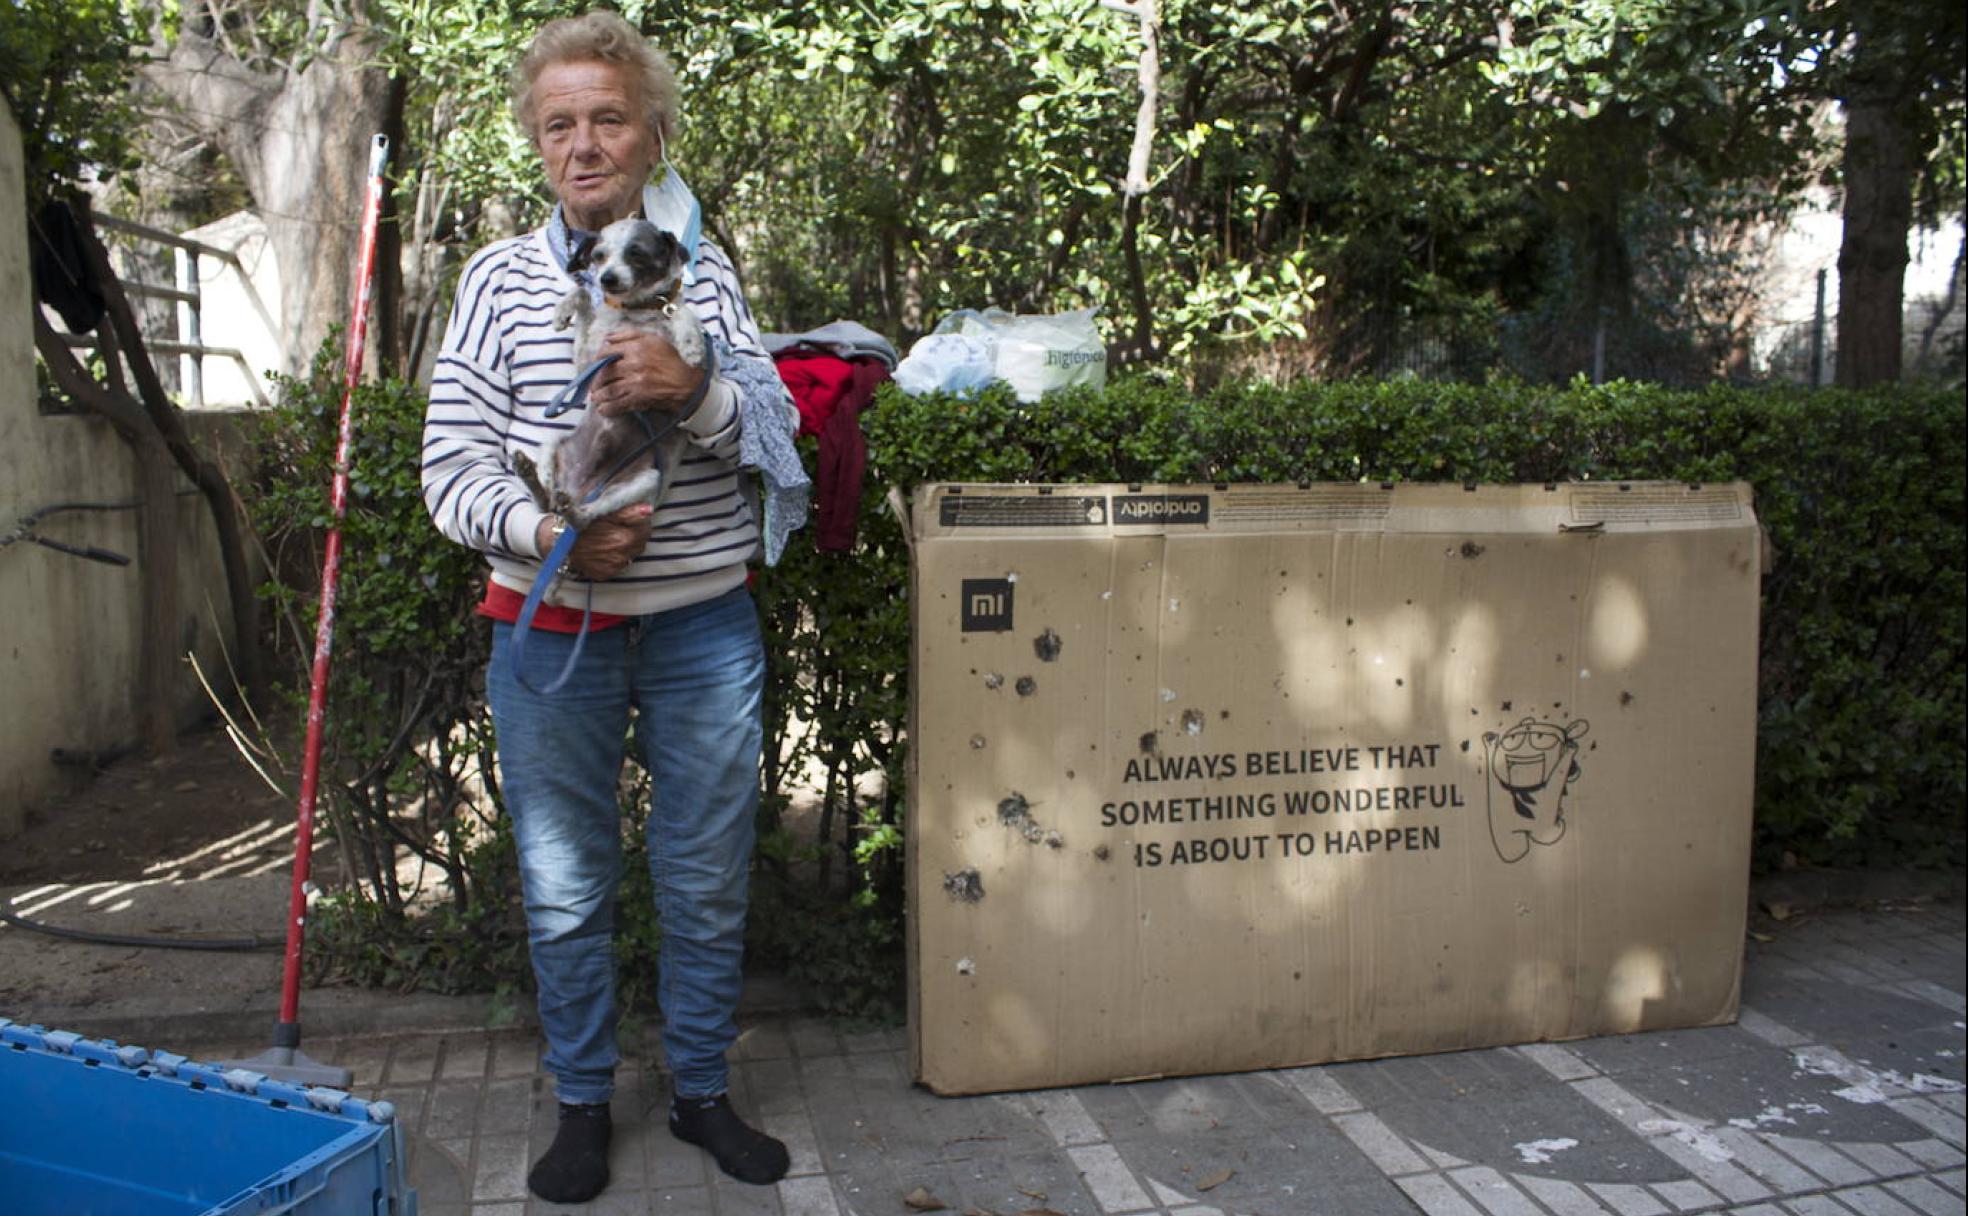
pixel 1220 778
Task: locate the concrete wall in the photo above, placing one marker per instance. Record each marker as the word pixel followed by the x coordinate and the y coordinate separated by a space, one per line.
pixel 69 628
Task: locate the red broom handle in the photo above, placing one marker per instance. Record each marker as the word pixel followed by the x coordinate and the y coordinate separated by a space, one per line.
pixel 331 565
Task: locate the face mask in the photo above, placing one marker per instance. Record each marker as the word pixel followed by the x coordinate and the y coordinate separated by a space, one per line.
pixel 671 206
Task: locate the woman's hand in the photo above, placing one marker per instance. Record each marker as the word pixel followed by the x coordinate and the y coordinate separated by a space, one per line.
pixel 608 545
pixel 649 376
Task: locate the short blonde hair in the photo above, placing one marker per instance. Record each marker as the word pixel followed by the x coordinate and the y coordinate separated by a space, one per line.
pixel 597 35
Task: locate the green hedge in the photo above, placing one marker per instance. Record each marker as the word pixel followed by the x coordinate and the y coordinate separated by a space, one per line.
pixel 1860 746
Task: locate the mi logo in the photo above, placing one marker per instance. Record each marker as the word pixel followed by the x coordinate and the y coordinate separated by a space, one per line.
pixel 986 605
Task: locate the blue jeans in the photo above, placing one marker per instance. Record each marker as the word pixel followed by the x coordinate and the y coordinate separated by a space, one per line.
pixel 695 678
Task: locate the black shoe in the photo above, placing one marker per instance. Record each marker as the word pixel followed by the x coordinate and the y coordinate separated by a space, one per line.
pixel 744 1153
pixel 575 1167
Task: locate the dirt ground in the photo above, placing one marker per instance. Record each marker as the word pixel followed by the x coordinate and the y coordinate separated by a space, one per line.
pixel 120 823
pixel 141 811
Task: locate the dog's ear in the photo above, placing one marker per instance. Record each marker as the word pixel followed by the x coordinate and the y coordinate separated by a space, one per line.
pixel 651 251
pixel 668 250
pixel 581 255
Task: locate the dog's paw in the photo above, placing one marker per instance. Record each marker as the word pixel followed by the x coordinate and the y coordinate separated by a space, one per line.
pixel 529 474
pixel 687 336
pixel 574 306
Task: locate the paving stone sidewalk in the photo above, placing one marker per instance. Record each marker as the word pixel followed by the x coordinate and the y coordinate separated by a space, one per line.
pixel 1839 1093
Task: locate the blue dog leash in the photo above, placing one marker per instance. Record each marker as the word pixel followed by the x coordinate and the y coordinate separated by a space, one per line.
pixel 575 392
pixel 574 396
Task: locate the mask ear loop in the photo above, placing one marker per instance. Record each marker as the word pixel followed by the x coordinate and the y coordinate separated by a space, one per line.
pixel 662 162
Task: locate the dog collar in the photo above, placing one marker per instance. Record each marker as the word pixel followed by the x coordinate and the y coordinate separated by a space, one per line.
pixel 667 303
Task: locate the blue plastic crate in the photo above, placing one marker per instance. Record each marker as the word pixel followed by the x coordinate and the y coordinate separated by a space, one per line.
pixel 93 1128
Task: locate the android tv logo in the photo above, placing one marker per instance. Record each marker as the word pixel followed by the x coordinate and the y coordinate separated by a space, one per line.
pixel 1532 767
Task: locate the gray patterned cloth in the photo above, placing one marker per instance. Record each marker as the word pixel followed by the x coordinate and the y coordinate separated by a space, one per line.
pixel 765 444
pixel 843 339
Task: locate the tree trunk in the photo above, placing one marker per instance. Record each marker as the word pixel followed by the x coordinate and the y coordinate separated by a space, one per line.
pixel 300 141
pixel 1872 259
pixel 386 356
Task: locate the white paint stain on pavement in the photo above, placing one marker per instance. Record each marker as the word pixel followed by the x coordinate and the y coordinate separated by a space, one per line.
pixel 1540 1152
pixel 1868 1086
pixel 1787 1113
pixel 1696 1138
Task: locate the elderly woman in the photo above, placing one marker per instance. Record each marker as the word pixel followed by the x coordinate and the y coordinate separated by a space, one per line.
pixel 670 639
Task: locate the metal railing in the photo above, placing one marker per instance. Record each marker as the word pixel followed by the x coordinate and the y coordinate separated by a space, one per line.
pixel 190 348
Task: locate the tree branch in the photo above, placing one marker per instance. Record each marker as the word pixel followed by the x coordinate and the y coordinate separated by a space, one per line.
pixel 1442 63
pixel 1150 75
pixel 1360 70
pixel 200 70
pixel 165 421
pixel 1140 156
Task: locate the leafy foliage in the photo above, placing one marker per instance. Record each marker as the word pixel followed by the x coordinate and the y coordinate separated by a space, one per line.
pixel 1909 55
pixel 827 900
pixel 409 792
pixel 1322 176
pixel 1324 179
pixel 65 68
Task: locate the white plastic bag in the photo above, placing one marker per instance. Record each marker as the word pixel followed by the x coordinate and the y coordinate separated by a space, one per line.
pixel 1033 354
pixel 1037 354
pixel 947 363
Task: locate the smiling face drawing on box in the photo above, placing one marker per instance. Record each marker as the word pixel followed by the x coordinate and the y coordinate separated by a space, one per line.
pixel 1535 763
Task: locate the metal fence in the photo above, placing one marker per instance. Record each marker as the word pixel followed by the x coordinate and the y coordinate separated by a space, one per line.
pixel 1544 349
pixel 1801 352
pixel 185 342
pixel 1541 350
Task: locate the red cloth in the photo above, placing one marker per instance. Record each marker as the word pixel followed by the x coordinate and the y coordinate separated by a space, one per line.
pixel 816 382
pixel 844 460
pixel 831 392
pixel 502 603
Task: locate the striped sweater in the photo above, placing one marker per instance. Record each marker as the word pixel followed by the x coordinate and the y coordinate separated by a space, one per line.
pixel 502 362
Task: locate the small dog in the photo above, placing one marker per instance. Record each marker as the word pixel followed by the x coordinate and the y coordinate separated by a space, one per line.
pixel 640 269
